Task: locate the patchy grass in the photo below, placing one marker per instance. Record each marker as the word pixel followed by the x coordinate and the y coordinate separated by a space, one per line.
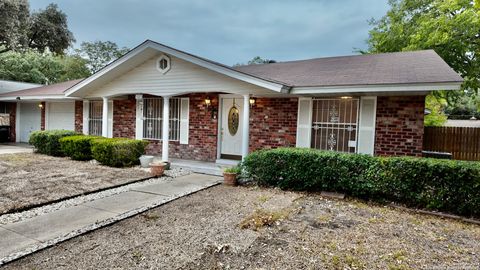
pixel 288 231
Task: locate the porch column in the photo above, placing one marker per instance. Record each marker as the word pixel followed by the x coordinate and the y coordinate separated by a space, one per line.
pixel 105 117
pixel 246 125
pixel 165 127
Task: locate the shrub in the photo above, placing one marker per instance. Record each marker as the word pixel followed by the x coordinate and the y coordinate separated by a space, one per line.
pixel 234 169
pixel 77 147
pixel 47 141
pixel 444 185
pixel 118 152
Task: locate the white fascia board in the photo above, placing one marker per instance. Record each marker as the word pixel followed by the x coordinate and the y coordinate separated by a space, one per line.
pixel 376 88
pixel 184 56
pixel 52 97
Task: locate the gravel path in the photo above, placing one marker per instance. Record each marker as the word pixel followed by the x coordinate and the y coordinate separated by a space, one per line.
pixel 27 179
pixel 202 231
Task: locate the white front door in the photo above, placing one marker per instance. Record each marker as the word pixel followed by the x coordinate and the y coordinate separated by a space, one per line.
pixel 231 127
pixel 29 120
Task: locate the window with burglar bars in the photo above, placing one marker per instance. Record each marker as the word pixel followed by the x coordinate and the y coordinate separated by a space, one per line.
pixel 153 117
pixel 334 124
pixel 95 118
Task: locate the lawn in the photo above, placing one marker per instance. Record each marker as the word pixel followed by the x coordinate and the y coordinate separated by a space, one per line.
pixel 28 179
pixel 254 228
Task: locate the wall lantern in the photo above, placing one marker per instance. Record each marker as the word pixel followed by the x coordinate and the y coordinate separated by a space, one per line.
pixel 212 109
pixel 346 97
pixel 252 101
pixel 40 105
pixel 208 102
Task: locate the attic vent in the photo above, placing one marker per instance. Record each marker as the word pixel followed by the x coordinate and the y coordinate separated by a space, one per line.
pixel 163 64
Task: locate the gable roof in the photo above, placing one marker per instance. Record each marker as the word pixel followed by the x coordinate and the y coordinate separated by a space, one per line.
pixel 149 49
pixel 416 67
pixel 46 91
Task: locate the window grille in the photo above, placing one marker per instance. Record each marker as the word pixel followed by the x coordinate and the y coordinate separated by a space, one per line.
pixel 334 124
pixel 153 117
pixel 95 118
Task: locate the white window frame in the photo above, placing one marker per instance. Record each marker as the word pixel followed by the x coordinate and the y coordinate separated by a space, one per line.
pixel 97 119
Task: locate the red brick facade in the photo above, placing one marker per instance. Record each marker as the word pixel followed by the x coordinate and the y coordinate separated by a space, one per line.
pixel 79 116
pixel 399 126
pixel 124 115
pixel 42 115
pixel 13 114
pixel 273 123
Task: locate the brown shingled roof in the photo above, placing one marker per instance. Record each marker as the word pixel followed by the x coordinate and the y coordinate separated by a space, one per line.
pixel 47 90
pixel 370 69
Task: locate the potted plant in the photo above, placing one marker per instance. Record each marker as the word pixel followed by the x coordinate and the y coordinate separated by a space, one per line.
pixel 230 175
pixel 157 168
pixel 145 160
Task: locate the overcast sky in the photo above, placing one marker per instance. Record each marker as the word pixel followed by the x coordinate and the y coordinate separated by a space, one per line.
pixel 227 31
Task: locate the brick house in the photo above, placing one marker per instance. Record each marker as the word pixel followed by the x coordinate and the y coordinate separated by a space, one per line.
pixel 372 104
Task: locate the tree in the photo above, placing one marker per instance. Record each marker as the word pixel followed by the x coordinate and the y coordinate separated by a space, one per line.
pixel 100 53
pixel 257 60
pixel 44 68
pixel 451 28
pixel 436 116
pixel 49 29
pixel 14 15
pixel 41 30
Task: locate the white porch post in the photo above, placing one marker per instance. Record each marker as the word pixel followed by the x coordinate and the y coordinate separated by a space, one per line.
pixel 246 125
pixel 105 117
pixel 166 120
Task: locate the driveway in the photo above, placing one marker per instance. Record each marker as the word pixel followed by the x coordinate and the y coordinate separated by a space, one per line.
pixel 14 148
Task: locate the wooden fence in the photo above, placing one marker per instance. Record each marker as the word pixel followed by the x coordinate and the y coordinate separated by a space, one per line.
pixel 462 142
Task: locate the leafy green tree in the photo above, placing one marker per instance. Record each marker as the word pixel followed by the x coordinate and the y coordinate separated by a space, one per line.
pixel 14 16
pixel 49 29
pixel 44 68
pixel 100 53
pixel 257 60
pixel 41 30
pixel 435 106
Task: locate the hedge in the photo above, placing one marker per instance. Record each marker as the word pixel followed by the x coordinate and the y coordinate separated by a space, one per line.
pixel 77 147
pixel 47 141
pixel 444 185
pixel 118 152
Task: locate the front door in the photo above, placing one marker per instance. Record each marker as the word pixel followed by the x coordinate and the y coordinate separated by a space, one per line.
pixel 231 128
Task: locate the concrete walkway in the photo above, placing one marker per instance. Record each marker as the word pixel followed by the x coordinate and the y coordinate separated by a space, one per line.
pixel 27 236
pixel 13 148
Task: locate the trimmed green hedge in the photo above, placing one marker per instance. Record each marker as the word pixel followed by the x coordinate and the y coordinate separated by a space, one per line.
pixel 118 152
pixel 445 185
pixel 47 141
pixel 78 147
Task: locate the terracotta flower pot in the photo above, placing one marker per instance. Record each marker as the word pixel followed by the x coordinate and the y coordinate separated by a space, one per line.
pixel 230 179
pixel 157 169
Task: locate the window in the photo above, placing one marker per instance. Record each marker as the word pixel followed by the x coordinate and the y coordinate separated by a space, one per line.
pixel 95 118
pixel 4 107
pixel 163 64
pixel 334 124
pixel 153 117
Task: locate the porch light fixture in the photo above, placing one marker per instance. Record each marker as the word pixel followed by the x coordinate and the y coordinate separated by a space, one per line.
pixel 346 97
pixel 208 102
pixel 252 101
pixel 40 105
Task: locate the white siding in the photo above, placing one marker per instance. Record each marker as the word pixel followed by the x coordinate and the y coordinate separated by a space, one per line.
pixel 183 77
pixel 60 115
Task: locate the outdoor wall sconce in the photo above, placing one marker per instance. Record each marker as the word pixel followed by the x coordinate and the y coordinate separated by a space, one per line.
pixel 40 105
pixel 346 97
pixel 213 110
pixel 252 101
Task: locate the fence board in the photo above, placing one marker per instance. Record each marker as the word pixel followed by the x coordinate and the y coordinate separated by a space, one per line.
pixel 462 142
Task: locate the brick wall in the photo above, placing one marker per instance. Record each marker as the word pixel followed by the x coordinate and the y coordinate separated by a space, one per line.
pixel 273 123
pixel 399 126
pixel 124 114
pixel 202 143
pixel 13 114
pixel 42 116
pixel 79 116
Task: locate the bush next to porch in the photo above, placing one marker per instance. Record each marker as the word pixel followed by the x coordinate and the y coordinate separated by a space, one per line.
pixel 47 141
pixel 118 152
pixel 78 147
pixel 445 185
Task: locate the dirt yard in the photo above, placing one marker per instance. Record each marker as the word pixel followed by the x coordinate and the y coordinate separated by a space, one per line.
pixel 28 178
pixel 252 228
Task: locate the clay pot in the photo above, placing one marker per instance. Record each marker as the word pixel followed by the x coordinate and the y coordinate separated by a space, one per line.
pixel 157 169
pixel 230 179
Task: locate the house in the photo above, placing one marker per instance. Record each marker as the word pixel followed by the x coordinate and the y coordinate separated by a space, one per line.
pixel 371 104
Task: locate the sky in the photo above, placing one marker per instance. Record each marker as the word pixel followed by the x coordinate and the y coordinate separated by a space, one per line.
pixel 227 31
